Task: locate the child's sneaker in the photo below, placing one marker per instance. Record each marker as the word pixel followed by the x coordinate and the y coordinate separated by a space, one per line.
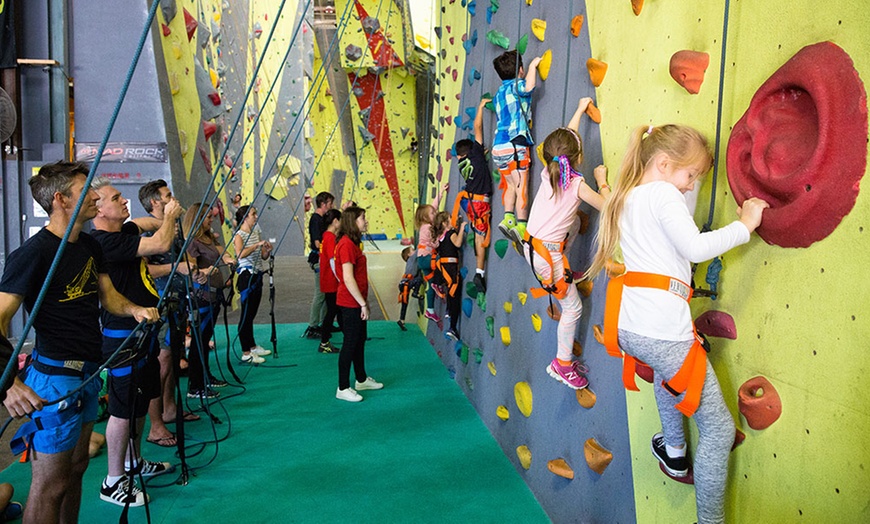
pixel 369 383
pixel 451 334
pixel 480 283
pixel 252 358
pixel 122 493
pixel 261 351
pixel 674 467
pixel 401 324
pixel 505 226
pixel 431 315
pixel 348 394
pixel 572 376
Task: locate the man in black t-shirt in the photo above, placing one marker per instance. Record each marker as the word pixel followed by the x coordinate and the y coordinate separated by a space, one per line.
pixel 134 372
pixel 323 202
pixel 474 168
pixel 68 340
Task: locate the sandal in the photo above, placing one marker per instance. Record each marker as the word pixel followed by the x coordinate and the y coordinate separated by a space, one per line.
pixel 164 441
pixel 188 417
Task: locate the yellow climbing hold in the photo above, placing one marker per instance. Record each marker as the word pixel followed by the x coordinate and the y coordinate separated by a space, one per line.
pixel 508 307
pixel 523 395
pixel 560 467
pixel 539 149
pixel 176 50
pixel 539 28
pixel 525 456
pixel 505 335
pixel 182 142
pixel 529 2
pixel 502 413
pixel 544 65
pixel 174 86
pixel 597 456
pixel 598 333
pixel 537 322
pixel 491 367
pixel 212 74
pixel 522 297
pixel 586 397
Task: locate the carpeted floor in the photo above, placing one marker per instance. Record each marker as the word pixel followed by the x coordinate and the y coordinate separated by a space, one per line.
pixel 288 451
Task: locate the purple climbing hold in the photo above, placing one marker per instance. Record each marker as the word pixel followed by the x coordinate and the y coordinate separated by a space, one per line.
pixel 352 52
pixel 370 25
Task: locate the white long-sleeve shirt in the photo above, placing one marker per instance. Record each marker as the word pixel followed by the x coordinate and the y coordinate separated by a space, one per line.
pixel 658 235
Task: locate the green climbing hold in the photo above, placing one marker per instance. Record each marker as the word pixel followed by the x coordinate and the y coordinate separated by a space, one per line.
pixel 469 238
pixel 471 289
pixel 501 247
pixel 463 354
pixel 494 5
pixel 478 355
pixel 490 326
pixel 498 38
pixel 496 177
pixel 481 301
pixel 522 44
pixel 489 105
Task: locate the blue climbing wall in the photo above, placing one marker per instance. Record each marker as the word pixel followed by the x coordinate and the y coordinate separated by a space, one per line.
pixel 483 366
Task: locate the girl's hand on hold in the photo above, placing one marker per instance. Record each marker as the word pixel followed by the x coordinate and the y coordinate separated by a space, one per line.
pixel 583 104
pixel 750 212
pixel 600 174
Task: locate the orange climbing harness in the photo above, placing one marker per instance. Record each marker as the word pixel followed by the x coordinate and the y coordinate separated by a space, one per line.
pixel 521 166
pixel 479 221
pixel 405 288
pixel 690 377
pixel 450 285
pixel 557 288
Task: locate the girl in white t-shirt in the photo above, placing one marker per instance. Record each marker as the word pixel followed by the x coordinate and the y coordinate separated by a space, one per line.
pixel 552 216
pixel 647 217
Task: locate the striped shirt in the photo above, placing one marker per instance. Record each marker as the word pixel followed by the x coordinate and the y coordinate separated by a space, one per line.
pixel 254 261
pixel 513 109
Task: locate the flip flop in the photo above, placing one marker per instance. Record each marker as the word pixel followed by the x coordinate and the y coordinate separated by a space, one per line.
pixel 188 417
pixel 163 441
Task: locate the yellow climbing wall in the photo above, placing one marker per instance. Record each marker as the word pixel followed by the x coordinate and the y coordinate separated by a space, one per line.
pixel 328 152
pixel 261 17
pixel 449 60
pixel 370 188
pixel 801 314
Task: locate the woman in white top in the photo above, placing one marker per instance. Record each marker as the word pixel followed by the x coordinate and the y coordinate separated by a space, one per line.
pixel 250 251
pixel 647 217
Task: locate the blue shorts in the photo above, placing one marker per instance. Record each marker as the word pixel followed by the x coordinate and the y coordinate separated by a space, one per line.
pixel 51 387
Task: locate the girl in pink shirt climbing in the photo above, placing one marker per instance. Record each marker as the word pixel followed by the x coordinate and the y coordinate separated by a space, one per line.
pixel 552 216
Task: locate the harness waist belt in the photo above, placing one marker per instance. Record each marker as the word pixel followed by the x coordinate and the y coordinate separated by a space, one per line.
pixel 123 371
pixel 449 260
pixel 117 333
pixel 76 367
pixel 690 377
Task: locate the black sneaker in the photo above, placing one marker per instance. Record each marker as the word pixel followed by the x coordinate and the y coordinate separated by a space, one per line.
pixel 327 347
pixel 675 467
pixel 203 394
pixel 451 335
pixel 479 283
pixel 149 468
pixel 401 324
pixel 123 493
pixel 217 383
pixel 311 333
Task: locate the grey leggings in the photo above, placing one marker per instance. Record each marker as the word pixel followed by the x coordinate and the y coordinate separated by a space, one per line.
pixel 714 421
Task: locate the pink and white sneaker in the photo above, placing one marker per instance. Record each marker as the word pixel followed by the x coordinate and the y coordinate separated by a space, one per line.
pixel 433 316
pixel 573 376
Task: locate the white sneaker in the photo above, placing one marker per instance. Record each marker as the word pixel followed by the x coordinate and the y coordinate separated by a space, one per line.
pixel 252 358
pixel 261 351
pixel 348 394
pixel 370 383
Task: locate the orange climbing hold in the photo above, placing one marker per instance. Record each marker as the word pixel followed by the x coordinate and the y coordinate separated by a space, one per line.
pixel 539 28
pixel 577 350
pixel 544 64
pixel 597 456
pixel 561 468
pixel 614 269
pixel 597 70
pixel 586 397
pixel 576 25
pixel 636 6
pixel 594 113
pixel 554 312
pixel 759 402
pixel 688 68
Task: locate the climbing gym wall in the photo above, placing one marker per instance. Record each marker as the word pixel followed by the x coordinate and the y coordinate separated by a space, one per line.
pixel 237 78
pixel 797 311
pixel 572 450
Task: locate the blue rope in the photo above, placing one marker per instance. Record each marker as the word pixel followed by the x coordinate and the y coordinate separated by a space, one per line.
pixel 13 360
pixel 709 222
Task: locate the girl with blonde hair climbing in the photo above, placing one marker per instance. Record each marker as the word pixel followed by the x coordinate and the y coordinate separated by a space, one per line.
pixel 553 213
pixel 647 314
pixel 426 246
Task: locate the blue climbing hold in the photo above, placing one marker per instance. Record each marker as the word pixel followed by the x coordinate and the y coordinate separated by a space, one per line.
pixel 472 7
pixel 489 15
pixel 469 43
pixel 467 306
pixel 463 272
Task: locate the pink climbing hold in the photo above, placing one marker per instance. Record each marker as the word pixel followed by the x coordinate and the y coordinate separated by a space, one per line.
pixel 716 324
pixel 759 402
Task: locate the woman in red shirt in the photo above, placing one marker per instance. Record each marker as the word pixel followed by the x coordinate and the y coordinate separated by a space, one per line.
pixel 352 300
pixel 328 278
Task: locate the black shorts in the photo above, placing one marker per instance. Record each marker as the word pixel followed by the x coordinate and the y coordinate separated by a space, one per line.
pixel 141 379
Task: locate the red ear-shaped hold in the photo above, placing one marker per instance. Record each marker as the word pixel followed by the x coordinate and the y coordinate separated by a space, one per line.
pixel 802 146
pixel 208 128
pixel 688 68
pixel 716 324
pixel 759 403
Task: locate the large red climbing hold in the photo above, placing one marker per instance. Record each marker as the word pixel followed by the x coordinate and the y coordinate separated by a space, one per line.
pixel 190 24
pixel 759 402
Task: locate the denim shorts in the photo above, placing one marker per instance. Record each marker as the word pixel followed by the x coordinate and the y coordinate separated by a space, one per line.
pixel 51 387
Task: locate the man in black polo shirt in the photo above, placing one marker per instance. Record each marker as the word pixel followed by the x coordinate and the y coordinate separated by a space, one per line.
pixel 134 374
pixel 323 202
pixel 68 339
